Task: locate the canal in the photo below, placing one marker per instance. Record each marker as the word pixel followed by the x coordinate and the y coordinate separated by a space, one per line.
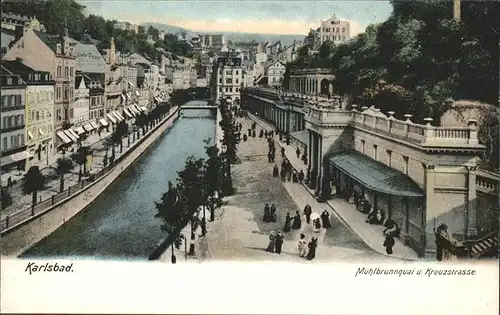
pixel 121 223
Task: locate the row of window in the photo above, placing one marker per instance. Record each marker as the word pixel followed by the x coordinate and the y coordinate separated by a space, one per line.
pixel 229 72
pixel 12 121
pixel 94 114
pixel 69 92
pixel 229 81
pixel 375 156
pixel 43 96
pixel 334 30
pixel 34 132
pixel 11 100
pixel 230 89
pixel 16 141
pixel 39 114
pixel 96 100
pixel 68 72
pixel 335 37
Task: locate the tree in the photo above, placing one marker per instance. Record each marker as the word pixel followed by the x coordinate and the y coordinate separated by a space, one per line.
pixel 64 166
pixel 213 173
pixel 5 197
pixel 230 142
pixel 171 212
pixel 140 121
pixel 326 50
pixel 191 194
pixel 33 181
pixel 80 158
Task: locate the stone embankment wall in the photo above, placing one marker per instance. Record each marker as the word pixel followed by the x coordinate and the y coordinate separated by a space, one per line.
pixel 27 235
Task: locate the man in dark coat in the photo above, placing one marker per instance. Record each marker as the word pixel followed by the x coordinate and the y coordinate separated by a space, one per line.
pixel 296 221
pixel 278 243
pixel 301 176
pixel 312 248
pixel 267 213
pixel 288 223
pixel 282 152
pixel 297 152
pixel 275 171
pixel 273 213
pixel 307 213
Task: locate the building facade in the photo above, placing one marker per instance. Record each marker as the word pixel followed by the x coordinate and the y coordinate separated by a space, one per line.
pixel 13 129
pixel 81 108
pixel 226 81
pixel 275 72
pixel 335 30
pixel 39 111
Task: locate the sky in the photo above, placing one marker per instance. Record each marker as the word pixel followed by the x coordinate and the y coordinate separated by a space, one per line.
pixel 255 16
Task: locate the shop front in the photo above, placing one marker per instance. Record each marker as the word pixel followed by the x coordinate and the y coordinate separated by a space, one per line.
pixel 373 187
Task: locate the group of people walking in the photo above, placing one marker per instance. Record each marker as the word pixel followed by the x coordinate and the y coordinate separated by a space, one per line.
pixel 295 223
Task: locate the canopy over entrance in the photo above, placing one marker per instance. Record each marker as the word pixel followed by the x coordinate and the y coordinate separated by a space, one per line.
pixel 375 175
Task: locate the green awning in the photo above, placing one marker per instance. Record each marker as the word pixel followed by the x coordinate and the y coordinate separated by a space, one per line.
pixel 375 175
pixel 301 136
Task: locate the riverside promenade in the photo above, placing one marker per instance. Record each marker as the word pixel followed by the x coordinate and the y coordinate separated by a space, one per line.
pixel 239 233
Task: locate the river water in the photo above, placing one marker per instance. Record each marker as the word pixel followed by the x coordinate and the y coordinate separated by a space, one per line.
pixel 121 222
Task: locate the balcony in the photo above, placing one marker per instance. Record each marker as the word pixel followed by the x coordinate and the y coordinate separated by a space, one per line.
pixel 487 182
pixel 9 129
pixel 322 116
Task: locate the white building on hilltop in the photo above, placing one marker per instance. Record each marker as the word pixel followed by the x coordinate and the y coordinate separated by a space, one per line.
pixel 335 30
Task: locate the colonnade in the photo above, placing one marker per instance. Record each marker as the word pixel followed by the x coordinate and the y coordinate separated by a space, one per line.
pixel 311 85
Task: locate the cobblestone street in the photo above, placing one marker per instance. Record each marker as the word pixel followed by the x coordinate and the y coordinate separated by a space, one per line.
pixel 239 232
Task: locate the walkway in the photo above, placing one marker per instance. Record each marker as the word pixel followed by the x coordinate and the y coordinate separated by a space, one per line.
pixel 238 233
pixel 21 201
pixel 371 234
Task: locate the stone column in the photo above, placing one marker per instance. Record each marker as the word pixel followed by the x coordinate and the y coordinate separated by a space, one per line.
pixel 471 202
pixel 309 155
pixel 320 161
pixel 430 215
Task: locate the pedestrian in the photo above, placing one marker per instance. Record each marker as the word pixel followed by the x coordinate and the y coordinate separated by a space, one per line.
pixel 388 243
pixel 278 242
pixel 282 152
pixel 265 134
pixel 325 218
pixel 267 213
pixel 288 223
pixel 275 171
pixel 283 174
pixel 261 133
pixel 240 126
pixel 316 225
pixel 301 176
pixel 307 213
pixel 289 173
pixel 245 138
pixel 298 153
pixel 272 242
pixel 302 245
pixel 312 248
pixel 270 157
pixel 249 132
pixel 273 213
pixel 253 134
pixel 295 177
pixel 296 224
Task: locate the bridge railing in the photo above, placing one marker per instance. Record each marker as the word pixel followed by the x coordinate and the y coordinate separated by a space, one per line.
pixel 44 205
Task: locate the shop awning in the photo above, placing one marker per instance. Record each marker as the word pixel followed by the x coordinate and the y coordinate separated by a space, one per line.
pixel 70 135
pixel 123 98
pixel 94 125
pixel 111 117
pixel 375 175
pixel 131 110
pixel 80 130
pixel 74 133
pixel 130 83
pixel 16 157
pixel 129 97
pixel 137 108
pixel 119 116
pixel 88 127
pixel 64 138
pixel 302 136
pixel 103 122
pixel 144 109
pixel 137 93
pixel 127 113
pixel 158 99
pixel 40 131
pixel 134 109
pixel 30 135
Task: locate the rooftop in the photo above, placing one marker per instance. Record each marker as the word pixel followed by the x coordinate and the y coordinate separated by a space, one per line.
pixel 88 59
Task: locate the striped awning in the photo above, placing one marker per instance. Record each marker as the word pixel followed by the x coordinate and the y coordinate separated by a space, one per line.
pixel 111 117
pixel 134 110
pixel 158 99
pixel 131 111
pixel 137 107
pixel 118 116
pixel 94 125
pixel 64 138
pixel 123 98
pixel 70 135
pixel 80 130
pixel 129 115
pixel 30 135
pixel 40 131
pixel 88 127
pixel 15 157
pixel 103 122
pixel 128 96
pixel 144 109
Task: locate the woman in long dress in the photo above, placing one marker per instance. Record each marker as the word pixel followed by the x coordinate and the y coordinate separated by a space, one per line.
pixel 312 248
pixel 267 213
pixel 325 218
pixel 272 241
pixel 296 222
pixel 275 169
pixel 288 223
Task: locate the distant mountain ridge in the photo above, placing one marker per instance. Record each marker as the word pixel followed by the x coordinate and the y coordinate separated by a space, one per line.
pixel 232 36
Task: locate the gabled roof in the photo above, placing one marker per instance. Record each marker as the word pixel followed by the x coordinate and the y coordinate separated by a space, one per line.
pixel 52 40
pixel 88 59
